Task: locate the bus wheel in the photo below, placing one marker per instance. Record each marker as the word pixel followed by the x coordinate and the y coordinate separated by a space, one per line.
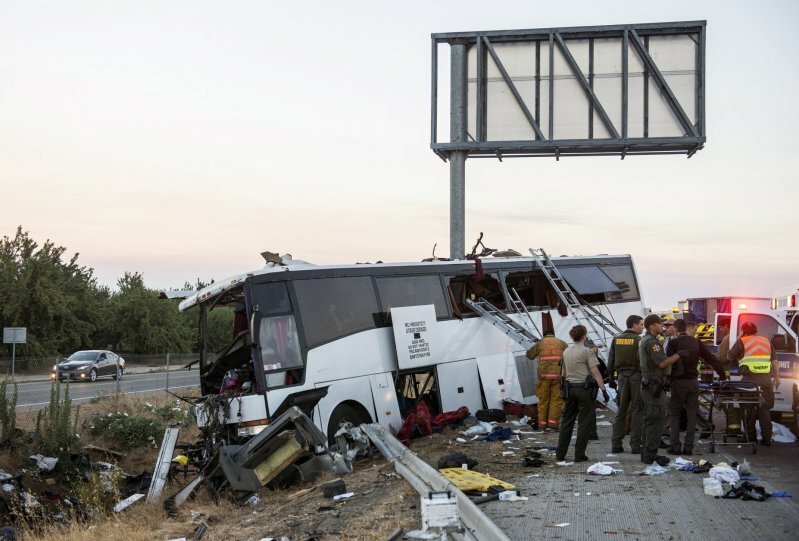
pixel 345 412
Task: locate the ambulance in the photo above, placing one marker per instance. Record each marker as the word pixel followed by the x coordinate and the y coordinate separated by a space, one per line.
pixel 775 318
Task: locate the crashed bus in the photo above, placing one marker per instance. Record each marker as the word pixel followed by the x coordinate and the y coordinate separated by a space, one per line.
pixel 367 342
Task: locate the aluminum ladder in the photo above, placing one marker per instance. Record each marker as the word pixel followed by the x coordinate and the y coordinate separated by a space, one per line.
pixel 601 330
pixel 521 309
pixel 499 319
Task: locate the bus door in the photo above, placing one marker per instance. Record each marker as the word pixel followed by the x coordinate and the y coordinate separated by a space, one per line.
pixel 446 386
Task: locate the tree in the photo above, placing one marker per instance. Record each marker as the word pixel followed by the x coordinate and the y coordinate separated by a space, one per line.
pixel 59 302
pixel 142 323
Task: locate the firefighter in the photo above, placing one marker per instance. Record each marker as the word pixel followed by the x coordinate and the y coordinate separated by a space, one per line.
pixel 623 358
pixel 757 363
pixel 655 368
pixel 549 351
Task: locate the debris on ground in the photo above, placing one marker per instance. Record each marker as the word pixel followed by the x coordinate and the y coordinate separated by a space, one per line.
pixel 601 469
pixel 478 429
pixel 471 481
pixel 456 460
pixel 290 447
pixel 724 474
pixel 747 491
pixel 652 469
pixel 44 463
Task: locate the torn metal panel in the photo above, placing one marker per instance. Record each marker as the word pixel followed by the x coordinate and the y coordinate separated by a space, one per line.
pixel 179 498
pixel 163 463
pixel 289 440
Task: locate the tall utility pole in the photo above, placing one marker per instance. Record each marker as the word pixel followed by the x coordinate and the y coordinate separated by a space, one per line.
pixel 457 158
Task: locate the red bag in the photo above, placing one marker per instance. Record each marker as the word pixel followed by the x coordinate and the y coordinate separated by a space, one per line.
pixel 451 417
pixel 404 434
pixel 423 419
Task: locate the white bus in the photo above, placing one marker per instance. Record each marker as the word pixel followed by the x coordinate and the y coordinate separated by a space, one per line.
pixel 365 342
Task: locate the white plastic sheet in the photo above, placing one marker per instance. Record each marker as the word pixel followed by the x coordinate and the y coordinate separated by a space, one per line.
pixel 726 475
pixel 480 428
pixel 600 469
pixel 779 433
pixel 653 469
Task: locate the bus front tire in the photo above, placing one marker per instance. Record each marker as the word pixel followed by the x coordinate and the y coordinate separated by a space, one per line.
pixel 343 413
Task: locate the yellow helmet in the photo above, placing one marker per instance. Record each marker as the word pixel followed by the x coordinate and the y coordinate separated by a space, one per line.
pixel 183 460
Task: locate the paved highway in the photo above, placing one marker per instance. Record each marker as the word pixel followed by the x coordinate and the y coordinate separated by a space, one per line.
pixel 36 393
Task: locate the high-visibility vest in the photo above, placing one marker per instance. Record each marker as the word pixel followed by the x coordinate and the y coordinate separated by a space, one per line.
pixel 757 354
pixel 550 357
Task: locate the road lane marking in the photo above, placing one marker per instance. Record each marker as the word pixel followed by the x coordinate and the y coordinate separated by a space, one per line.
pixel 94 397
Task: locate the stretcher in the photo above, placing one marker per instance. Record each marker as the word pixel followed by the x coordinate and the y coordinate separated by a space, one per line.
pixel 722 395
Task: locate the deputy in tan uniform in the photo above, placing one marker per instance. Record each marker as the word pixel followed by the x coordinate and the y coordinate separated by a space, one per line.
pixel 549 351
pixel 582 380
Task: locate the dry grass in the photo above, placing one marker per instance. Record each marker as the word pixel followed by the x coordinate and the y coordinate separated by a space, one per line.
pixel 140 522
pixel 382 503
pixel 129 524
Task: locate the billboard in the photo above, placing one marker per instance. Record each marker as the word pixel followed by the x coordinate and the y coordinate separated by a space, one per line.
pixel 600 90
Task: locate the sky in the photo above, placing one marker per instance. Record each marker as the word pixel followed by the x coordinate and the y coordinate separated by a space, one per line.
pixel 180 139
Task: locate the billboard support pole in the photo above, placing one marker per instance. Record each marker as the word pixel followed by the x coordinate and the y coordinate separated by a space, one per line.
pixel 457 158
pixel 13 360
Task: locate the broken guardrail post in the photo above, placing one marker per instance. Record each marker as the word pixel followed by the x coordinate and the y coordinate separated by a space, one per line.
pixel 161 470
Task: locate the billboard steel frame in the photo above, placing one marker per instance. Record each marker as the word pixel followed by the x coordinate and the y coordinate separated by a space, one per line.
pixel 632 36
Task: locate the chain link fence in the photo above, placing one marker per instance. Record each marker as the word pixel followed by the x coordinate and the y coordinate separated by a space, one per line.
pixel 143 373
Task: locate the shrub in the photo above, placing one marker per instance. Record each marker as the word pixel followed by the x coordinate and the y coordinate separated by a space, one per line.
pixel 168 412
pixel 56 430
pixel 99 492
pixel 126 431
pixel 8 414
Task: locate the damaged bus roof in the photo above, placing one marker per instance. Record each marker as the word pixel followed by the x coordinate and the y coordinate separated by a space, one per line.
pixel 464 265
pixel 287 264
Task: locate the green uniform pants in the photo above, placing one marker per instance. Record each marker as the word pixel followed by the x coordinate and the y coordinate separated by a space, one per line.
pixel 628 390
pixel 578 407
pixel 763 411
pixel 654 415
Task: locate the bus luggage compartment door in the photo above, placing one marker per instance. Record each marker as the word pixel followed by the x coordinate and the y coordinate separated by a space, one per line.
pixel 385 397
pixel 459 385
pixel 501 379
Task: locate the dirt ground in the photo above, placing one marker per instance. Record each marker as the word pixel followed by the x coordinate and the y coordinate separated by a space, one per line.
pixel 382 501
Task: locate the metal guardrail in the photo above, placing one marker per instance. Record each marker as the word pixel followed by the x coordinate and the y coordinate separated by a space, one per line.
pixel 425 479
